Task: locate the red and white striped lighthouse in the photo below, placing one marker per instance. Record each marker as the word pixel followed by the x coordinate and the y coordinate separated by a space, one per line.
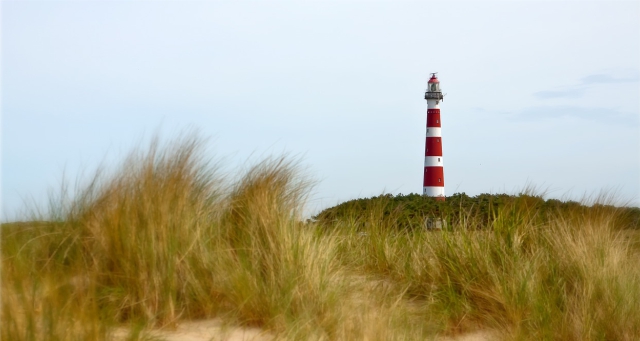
pixel 433 185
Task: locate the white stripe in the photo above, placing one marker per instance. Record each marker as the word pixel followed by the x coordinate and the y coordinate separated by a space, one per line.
pixel 433 104
pixel 433 161
pixel 433 191
pixel 434 132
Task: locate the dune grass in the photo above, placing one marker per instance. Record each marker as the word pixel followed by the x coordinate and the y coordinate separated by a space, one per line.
pixel 168 237
pixel 570 275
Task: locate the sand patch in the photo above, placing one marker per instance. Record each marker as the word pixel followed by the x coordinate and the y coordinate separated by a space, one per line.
pixel 202 330
pixel 215 330
pixel 474 336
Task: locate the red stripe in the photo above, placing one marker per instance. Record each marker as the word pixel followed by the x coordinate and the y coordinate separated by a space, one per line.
pixel 433 146
pixel 433 176
pixel 433 120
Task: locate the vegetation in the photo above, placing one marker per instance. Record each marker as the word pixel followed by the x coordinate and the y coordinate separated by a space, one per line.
pixel 412 210
pixel 167 237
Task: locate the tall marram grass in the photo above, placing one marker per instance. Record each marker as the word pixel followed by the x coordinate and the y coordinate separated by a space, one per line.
pixel 168 237
pixel 570 275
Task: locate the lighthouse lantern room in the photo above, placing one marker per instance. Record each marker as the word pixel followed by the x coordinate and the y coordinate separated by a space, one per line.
pixel 433 184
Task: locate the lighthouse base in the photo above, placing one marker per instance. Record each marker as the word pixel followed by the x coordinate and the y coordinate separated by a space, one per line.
pixel 433 191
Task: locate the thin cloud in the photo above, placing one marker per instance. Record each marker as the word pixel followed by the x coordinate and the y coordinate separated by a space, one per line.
pixel 608 79
pixel 571 93
pixel 577 91
pixel 604 115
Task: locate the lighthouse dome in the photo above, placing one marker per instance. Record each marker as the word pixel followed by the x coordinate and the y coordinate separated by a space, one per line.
pixel 434 84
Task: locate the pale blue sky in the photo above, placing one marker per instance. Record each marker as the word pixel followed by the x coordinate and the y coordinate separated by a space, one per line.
pixel 542 92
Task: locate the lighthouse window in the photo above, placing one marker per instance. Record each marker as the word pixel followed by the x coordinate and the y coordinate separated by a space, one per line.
pixel 427 130
pixel 437 121
pixel 438 159
pixel 439 179
pixel 438 140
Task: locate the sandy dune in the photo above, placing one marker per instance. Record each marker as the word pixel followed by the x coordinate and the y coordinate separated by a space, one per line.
pixel 203 330
pixel 215 330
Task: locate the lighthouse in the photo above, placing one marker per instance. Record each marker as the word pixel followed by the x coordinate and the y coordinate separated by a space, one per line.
pixel 433 184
